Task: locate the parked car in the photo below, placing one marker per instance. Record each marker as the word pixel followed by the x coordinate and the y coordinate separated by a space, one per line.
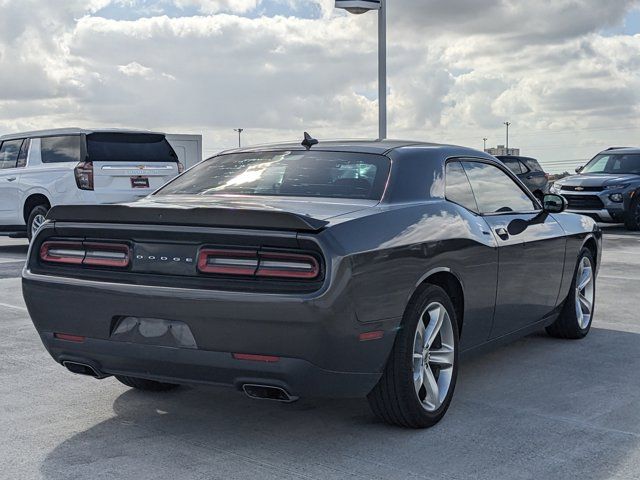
pixel 529 171
pixel 342 269
pixel 607 188
pixel 39 170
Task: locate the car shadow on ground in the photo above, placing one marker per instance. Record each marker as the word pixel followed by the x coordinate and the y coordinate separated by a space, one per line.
pixel 539 408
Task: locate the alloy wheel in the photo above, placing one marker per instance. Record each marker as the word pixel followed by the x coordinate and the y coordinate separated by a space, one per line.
pixel 433 356
pixel 584 293
pixel 38 220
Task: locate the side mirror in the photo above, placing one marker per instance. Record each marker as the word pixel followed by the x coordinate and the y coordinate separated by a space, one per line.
pixel 579 169
pixel 554 203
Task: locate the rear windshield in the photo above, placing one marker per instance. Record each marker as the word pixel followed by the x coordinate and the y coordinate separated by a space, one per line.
pixel 129 147
pixel 286 173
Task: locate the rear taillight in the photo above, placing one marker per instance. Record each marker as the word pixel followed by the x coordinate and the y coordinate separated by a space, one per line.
pixel 114 255
pixel 288 265
pixel 84 175
pixel 258 264
pixel 180 167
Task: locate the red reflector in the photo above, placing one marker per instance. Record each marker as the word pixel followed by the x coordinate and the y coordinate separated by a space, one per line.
pixel 255 358
pixel 366 337
pixel 69 338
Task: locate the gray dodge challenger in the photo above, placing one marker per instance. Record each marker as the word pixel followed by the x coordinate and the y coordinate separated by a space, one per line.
pixel 331 269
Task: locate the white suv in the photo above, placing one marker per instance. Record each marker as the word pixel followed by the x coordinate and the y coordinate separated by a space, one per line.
pixel 73 166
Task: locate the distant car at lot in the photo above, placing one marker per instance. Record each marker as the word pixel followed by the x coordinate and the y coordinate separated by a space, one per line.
pixel 342 269
pixel 529 171
pixel 607 188
pixel 39 170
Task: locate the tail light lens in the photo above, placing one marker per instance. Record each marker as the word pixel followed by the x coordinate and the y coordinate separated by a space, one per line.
pixel 84 175
pixel 228 262
pixel 288 265
pixel 114 255
pixel 259 264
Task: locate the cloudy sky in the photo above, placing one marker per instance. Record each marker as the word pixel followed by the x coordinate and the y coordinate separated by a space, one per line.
pixel 566 73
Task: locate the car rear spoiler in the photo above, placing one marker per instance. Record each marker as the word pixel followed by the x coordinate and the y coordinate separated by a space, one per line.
pixel 198 216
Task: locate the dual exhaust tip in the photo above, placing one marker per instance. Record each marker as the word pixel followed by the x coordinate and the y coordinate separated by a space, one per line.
pixel 268 392
pixel 252 390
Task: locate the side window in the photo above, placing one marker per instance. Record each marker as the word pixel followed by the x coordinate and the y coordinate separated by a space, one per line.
pixel 9 153
pixel 513 164
pixel 24 152
pixel 458 188
pixel 495 191
pixel 527 167
pixel 60 149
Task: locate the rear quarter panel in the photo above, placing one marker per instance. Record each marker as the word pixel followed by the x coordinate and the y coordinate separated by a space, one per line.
pixel 393 250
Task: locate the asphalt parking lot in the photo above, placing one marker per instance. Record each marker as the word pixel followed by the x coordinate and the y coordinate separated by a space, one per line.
pixel 538 409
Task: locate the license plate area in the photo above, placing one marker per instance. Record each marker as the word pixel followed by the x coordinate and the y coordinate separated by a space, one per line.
pixel 153 331
pixel 139 182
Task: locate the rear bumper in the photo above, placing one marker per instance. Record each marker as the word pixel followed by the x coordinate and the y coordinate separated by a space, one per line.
pixel 316 338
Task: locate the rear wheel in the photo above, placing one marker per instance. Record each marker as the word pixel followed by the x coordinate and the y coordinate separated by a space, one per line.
pixel 420 376
pixel 147 385
pixel 36 219
pixel 632 220
pixel 575 319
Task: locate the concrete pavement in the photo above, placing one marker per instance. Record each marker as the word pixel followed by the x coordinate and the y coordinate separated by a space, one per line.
pixel 540 408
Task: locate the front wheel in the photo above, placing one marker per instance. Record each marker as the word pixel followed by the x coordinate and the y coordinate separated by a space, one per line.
pixel 420 376
pixel 36 219
pixel 576 316
pixel 632 219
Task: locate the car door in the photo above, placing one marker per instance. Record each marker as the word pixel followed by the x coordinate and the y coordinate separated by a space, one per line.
pixel 533 176
pixel 531 248
pixel 9 185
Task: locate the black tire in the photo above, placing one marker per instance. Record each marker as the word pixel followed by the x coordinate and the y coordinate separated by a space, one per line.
pixel 394 399
pixel 632 216
pixel 146 385
pixel 38 210
pixel 567 325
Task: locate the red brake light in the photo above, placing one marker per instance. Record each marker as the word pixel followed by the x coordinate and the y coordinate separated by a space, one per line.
pixel 84 175
pixel 228 262
pixel 86 253
pixel 258 264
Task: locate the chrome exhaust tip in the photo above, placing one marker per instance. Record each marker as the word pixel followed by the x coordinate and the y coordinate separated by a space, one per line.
pixel 268 392
pixel 83 369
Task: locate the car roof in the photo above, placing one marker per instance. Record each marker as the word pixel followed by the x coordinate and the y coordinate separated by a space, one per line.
pixel 70 131
pixel 380 147
pixel 632 150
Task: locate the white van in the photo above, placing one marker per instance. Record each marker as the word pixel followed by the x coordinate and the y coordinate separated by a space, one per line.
pixel 74 166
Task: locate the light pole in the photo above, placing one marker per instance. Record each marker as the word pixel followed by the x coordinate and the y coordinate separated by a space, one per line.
pixel 485 143
pixel 362 6
pixel 508 124
pixel 239 130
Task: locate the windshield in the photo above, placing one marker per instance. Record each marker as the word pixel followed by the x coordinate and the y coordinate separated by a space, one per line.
pixel 288 173
pixel 614 163
pixel 129 147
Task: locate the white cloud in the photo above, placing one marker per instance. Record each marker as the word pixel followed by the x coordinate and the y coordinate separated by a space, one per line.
pixel 457 70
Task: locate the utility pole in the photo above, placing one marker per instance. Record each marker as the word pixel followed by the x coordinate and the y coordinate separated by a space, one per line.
pixel 485 143
pixel 508 124
pixel 239 130
pixel 358 7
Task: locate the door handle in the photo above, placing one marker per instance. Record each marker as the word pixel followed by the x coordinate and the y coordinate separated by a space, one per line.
pixel 11 179
pixel 502 233
pixel 529 177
